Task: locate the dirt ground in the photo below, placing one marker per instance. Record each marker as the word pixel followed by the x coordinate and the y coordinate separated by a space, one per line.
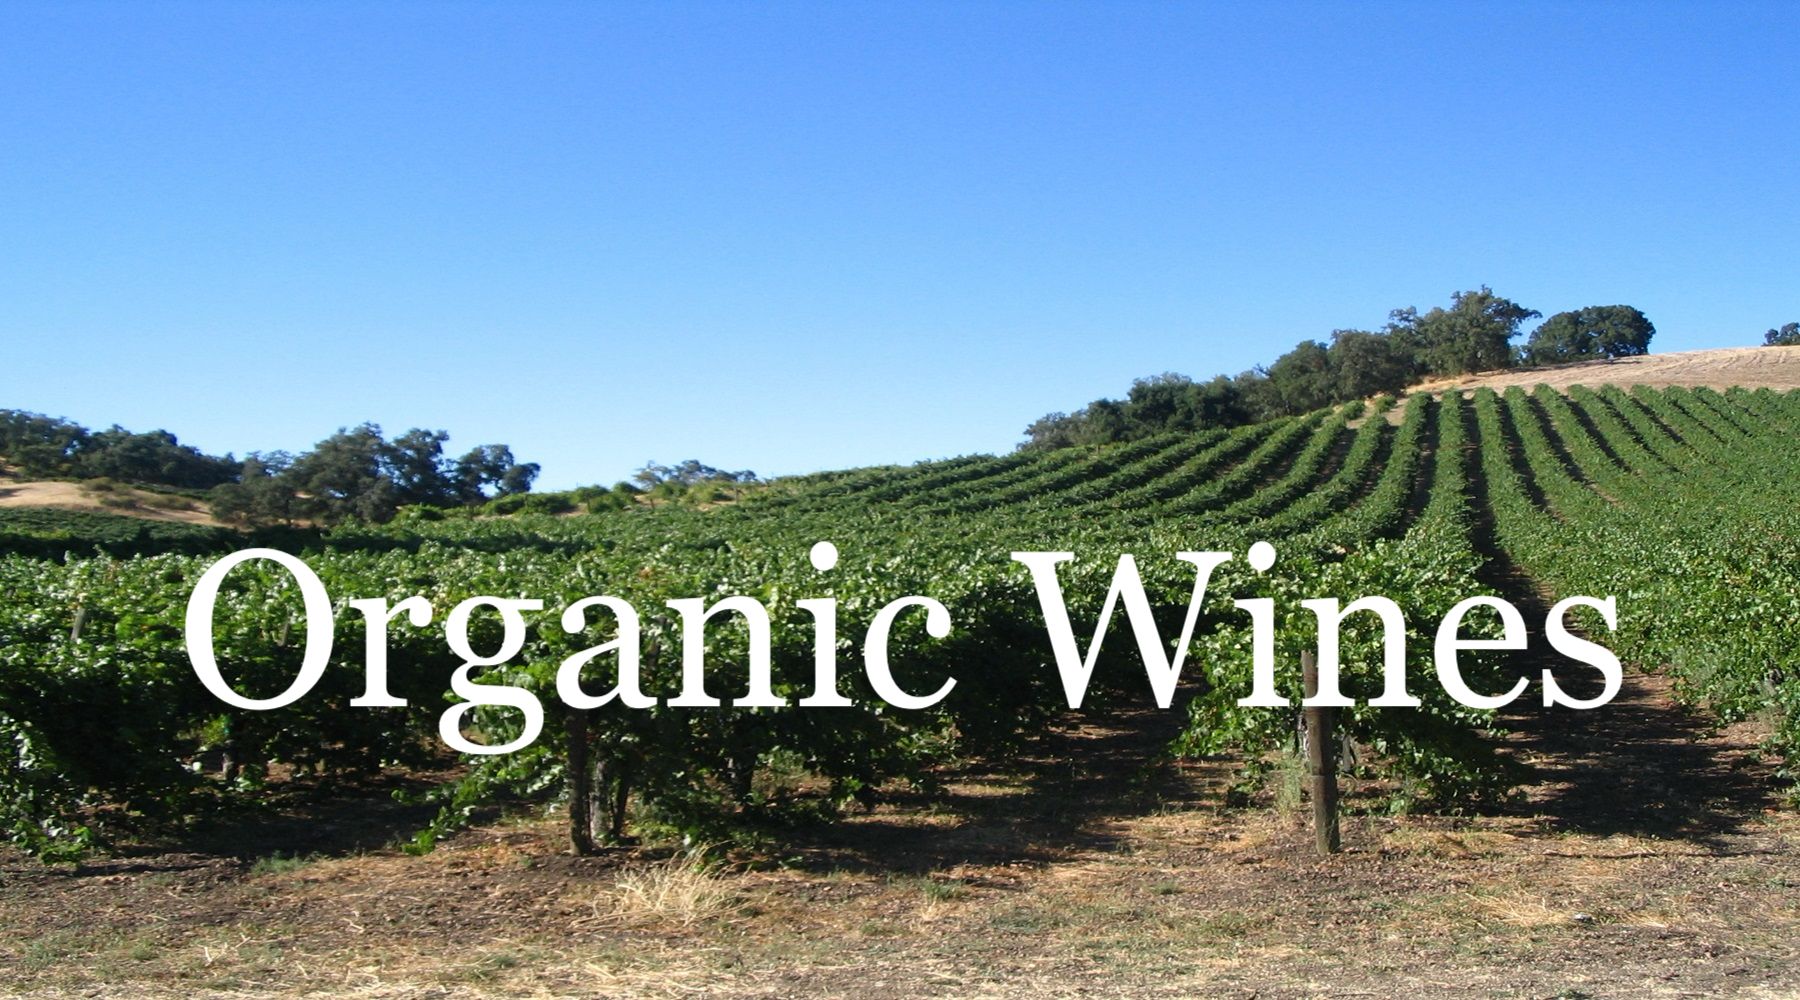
pixel 1648 859
pixel 123 500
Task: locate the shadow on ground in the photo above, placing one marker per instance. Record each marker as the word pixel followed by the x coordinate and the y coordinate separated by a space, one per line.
pixel 1065 792
pixel 1640 765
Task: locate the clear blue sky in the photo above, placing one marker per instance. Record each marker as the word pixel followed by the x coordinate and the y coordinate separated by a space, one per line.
pixel 788 237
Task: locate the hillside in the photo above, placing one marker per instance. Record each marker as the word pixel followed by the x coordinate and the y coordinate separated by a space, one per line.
pixel 1000 838
pixel 1723 368
pixel 85 497
pixel 1746 367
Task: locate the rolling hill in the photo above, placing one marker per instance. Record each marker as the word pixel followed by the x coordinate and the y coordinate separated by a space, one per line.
pixel 1722 368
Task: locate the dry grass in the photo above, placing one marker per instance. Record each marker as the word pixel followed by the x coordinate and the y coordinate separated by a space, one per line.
pixel 1450 843
pixel 1522 909
pixel 1198 902
pixel 679 891
pixel 1724 368
pixel 123 500
pixel 972 893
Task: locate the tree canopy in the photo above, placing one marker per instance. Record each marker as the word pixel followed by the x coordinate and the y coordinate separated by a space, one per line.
pixel 1474 333
pixel 1588 334
pixel 1787 336
pixel 1365 363
pixel 51 446
pixel 358 473
pixel 353 473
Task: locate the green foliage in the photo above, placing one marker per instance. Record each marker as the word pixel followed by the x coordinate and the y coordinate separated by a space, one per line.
pixel 547 503
pixel 49 446
pixel 511 503
pixel 1587 334
pixel 40 445
pixel 1473 334
pixel 358 474
pixel 687 474
pixel 1678 501
pixel 1302 379
pixel 1364 364
pixel 1787 336
pixel 944 529
pixel 355 473
pixel 51 534
pixel 1176 403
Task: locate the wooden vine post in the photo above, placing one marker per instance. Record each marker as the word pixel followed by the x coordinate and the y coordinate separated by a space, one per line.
pixel 1321 761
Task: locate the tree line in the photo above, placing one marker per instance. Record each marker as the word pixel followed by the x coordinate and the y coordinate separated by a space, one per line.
pixel 1475 333
pixel 50 447
pixel 356 472
pixel 690 481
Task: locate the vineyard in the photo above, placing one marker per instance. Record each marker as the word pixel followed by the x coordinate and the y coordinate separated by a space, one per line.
pixel 1677 501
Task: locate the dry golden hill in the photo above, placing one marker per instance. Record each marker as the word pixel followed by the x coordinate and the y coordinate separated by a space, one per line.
pixel 102 498
pixel 1723 368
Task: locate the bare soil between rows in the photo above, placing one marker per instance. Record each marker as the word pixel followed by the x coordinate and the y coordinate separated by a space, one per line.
pixel 1646 859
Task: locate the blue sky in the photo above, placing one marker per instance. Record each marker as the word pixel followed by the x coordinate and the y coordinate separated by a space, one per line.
pixel 793 237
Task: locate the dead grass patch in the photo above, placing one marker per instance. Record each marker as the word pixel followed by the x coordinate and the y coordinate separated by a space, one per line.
pixel 679 891
pixel 1449 843
pixel 1522 909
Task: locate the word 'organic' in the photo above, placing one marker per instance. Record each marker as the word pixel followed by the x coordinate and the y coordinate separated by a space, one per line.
pixel 1162 666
